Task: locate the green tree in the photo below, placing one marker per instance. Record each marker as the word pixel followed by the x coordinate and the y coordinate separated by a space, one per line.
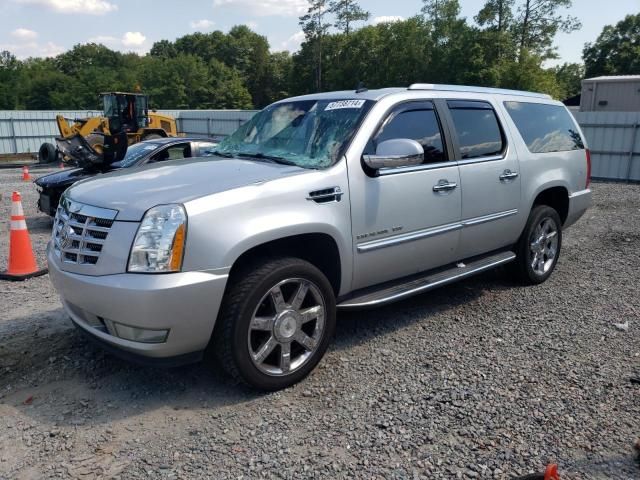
pixel 569 77
pixel 443 15
pixel 315 27
pixel 248 53
pixel 9 72
pixel 347 12
pixel 538 23
pixel 616 51
pixel 279 77
pixel 163 49
pixel 497 18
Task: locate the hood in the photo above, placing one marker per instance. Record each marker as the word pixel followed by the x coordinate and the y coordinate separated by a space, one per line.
pixel 133 192
pixel 63 178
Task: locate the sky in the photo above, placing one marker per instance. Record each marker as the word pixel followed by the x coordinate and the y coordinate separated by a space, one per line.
pixel 49 27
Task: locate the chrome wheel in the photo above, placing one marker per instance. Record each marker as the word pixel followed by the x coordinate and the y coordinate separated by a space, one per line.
pixel 287 327
pixel 544 246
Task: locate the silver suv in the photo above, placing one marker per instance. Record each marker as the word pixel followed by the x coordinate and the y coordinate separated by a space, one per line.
pixel 338 200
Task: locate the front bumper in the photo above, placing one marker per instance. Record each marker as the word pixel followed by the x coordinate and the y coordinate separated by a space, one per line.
pixel 579 202
pixel 184 303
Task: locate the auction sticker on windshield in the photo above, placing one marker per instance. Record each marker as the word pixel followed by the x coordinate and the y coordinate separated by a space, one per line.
pixel 344 104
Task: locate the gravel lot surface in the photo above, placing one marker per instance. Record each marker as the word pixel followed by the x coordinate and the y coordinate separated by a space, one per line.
pixel 482 379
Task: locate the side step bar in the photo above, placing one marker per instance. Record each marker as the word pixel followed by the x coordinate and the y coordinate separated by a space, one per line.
pixel 393 292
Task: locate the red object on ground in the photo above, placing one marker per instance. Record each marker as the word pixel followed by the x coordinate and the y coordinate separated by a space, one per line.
pixel 551 473
pixel 22 261
pixel 25 174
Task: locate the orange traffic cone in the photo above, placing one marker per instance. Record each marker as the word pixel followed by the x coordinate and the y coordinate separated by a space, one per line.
pixel 25 174
pixel 22 262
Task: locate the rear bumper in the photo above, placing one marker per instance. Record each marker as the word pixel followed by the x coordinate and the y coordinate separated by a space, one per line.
pixel 579 202
pixel 186 304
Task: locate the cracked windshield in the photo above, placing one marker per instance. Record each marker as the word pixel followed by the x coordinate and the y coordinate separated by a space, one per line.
pixel 309 134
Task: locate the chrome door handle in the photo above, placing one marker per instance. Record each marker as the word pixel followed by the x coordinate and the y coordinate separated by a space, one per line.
pixel 508 175
pixel 444 186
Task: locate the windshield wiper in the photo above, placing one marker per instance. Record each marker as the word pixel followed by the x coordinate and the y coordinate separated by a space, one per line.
pixel 271 158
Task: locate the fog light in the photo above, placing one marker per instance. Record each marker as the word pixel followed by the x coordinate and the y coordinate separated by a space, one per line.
pixel 142 335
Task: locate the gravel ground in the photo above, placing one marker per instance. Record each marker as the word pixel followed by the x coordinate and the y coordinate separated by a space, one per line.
pixel 482 379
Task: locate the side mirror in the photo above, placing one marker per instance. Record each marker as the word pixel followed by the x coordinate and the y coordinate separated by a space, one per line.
pixel 399 152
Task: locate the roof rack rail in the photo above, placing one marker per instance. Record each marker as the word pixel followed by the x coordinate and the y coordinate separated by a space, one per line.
pixel 463 88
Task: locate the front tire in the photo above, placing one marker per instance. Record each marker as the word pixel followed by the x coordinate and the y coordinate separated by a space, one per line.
pixel 538 249
pixel 275 324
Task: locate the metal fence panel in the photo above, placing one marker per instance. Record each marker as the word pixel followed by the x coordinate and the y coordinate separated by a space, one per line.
pixel 23 131
pixel 614 141
pixel 612 136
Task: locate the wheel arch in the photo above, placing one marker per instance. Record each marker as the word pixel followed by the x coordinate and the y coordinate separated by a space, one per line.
pixel 319 249
pixel 555 196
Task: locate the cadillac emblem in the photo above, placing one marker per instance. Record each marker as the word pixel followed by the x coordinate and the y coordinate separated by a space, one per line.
pixel 66 236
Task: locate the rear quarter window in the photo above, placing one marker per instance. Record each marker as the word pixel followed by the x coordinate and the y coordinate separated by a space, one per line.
pixel 545 128
pixel 477 128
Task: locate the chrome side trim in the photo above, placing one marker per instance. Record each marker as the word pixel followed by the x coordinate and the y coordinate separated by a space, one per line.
pixel 387 161
pixel 489 218
pixel 407 237
pixel 383 172
pixel 431 232
pixel 503 258
pixel 471 161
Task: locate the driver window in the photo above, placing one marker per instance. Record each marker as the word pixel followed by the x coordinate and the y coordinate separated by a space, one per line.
pixel 420 124
pixel 175 152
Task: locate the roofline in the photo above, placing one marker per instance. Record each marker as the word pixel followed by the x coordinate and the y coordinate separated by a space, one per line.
pixel 378 94
pixel 612 79
pixel 488 90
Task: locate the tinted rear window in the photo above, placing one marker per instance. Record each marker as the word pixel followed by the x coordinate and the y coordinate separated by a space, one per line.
pixel 545 128
pixel 479 133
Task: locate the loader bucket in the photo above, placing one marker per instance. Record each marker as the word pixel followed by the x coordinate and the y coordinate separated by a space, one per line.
pixel 79 151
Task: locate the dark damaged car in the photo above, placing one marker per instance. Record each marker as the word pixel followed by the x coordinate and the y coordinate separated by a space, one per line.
pixel 52 186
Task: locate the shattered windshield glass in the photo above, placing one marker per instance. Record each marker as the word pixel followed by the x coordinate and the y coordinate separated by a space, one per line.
pixel 306 133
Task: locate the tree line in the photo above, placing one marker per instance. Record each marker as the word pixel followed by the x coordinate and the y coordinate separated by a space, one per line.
pixel 505 45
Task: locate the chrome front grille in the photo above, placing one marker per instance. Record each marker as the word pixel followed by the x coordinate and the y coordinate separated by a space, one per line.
pixel 80 231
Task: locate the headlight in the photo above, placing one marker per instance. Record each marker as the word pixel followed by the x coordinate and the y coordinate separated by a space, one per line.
pixel 159 243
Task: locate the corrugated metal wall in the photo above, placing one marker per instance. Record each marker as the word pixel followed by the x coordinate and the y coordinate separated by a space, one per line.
pixel 24 131
pixel 614 142
pixel 613 136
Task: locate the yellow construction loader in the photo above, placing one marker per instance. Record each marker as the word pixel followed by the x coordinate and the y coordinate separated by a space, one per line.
pixel 102 140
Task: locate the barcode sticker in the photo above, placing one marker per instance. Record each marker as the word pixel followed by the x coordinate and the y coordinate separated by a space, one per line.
pixel 344 104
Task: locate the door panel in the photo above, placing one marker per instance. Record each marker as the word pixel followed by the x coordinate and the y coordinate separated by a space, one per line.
pixel 489 176
pixel 490 206
pixel 405 227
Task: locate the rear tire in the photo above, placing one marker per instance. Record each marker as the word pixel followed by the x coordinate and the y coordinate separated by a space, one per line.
pixel 47 153
pixel 275 324
pixel 538 248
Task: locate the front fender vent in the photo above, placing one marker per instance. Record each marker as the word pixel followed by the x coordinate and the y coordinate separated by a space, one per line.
pixel 326 195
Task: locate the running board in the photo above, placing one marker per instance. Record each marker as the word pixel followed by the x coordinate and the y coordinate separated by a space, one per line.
pixel 397 291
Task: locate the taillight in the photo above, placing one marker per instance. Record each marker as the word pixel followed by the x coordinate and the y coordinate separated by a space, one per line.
pixel 588 182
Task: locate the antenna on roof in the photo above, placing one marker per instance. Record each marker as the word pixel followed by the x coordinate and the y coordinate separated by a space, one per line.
pixel 361 88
